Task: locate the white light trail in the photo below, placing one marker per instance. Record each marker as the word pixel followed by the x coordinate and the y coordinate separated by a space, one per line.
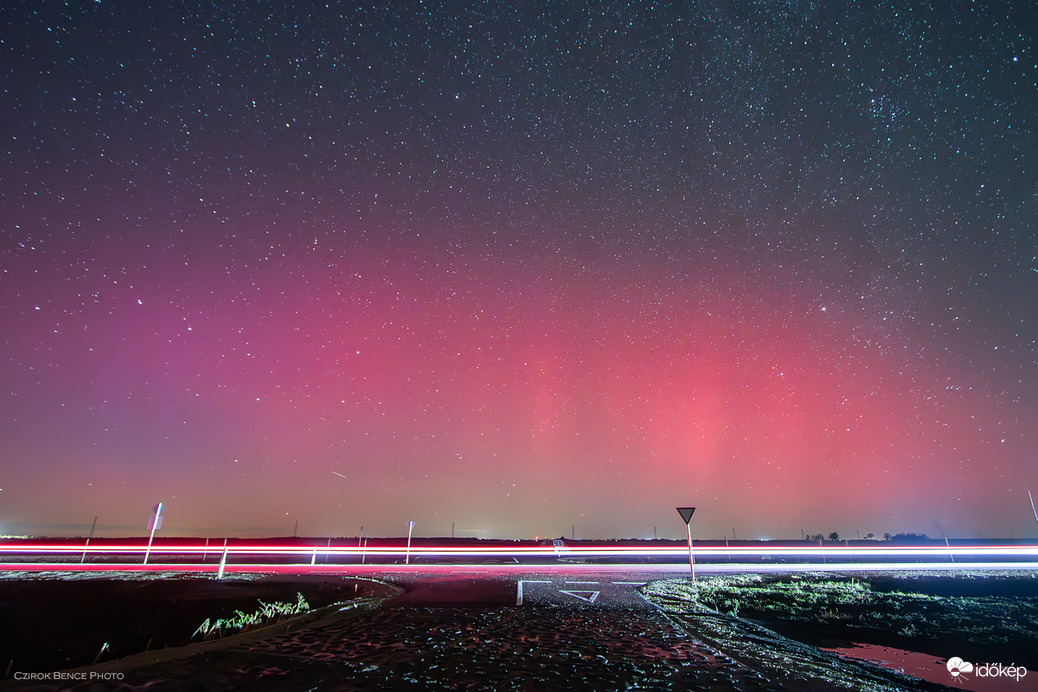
pixel 518 569
pixel 738 553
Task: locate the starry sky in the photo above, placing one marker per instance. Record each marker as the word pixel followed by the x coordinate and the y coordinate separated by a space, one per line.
pixel 528 269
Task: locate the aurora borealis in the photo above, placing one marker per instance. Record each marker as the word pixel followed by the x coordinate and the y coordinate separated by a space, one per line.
pixel 520 268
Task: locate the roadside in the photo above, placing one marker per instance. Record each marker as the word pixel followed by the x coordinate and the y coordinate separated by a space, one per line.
pixel 805 625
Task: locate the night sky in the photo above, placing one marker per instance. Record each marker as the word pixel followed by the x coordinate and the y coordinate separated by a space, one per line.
pixel 528 268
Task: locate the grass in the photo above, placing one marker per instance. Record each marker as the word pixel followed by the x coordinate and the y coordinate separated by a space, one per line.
pixel 915 614
pixel 266 614
pixel 729 595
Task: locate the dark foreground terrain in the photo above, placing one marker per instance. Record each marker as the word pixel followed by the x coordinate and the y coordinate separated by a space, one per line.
pixel 52 623
pixel 978 617
pixel 914 622
pixel 363 635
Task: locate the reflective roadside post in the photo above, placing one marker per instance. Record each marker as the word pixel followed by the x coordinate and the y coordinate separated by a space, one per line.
pixel 91 535
pixel 154 524
pixel 686 515
pixel 410 528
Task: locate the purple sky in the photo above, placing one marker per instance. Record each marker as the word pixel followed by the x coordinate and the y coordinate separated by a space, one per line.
pixel 518 269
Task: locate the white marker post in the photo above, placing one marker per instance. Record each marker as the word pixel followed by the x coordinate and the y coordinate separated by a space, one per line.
pixel 407 555
pixel 91 535
pixel 951 555
pixel 153 524
pixel 1032 505
pixel 686 514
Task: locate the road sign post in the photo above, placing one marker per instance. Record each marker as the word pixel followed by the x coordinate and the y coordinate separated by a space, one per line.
pixel 686 515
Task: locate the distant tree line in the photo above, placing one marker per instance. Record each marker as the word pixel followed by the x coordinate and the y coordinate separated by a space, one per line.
pixel 906 537
pixel 897 537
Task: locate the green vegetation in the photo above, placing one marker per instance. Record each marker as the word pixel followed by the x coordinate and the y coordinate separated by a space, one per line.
pixel 928 610
pixel 730 595
pixel 267 614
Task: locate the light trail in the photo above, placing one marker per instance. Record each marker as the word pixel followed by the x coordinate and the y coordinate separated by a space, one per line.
pixel 572 552
pixel 515 569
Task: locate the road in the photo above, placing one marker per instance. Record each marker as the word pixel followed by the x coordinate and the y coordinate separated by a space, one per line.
pixel 572 587
pixel 617 590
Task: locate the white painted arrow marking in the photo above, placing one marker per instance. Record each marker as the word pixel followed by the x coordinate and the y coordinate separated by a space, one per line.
pixel 588 596
pixel 519 588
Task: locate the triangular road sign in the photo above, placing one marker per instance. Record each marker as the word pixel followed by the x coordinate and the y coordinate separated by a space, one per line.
pixel 686 513
pixel 588 596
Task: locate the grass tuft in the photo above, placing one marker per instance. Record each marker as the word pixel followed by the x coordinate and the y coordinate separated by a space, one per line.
pixel 266 614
